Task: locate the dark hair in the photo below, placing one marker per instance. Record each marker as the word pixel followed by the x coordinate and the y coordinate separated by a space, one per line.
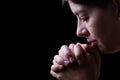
pixel 98 3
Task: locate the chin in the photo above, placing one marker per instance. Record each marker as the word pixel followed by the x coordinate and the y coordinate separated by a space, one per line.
pixel 107 50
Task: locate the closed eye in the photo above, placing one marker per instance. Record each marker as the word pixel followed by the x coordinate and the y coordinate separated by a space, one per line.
pixel 85 18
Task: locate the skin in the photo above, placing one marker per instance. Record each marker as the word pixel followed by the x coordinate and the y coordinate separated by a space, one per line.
pixel 85 59
pixel 101 27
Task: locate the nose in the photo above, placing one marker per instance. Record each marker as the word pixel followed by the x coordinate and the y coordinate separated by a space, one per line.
pixel 82 31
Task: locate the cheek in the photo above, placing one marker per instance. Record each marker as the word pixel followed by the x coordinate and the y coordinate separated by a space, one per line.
pixel 98 31
pixel 95 28
pixel 97 24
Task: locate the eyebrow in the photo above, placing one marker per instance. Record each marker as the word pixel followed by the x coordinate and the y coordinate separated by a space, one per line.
pixel 78 12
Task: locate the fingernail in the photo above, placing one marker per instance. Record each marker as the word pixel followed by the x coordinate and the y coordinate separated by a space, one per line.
pixel 71 59
pixel 66 63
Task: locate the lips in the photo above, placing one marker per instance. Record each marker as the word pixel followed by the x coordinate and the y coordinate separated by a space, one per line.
pixel 92 42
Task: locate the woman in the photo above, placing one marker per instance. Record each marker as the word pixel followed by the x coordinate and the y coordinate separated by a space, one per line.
pixel 99 22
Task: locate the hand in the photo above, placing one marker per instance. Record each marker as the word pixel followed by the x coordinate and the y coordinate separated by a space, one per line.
pixel 76 62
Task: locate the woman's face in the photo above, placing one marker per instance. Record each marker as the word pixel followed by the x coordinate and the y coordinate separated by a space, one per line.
pixel 97 25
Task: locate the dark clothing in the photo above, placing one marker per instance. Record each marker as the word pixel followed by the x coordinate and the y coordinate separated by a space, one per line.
pixel 110 66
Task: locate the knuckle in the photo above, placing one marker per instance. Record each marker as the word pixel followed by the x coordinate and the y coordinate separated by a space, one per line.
pixel 59 77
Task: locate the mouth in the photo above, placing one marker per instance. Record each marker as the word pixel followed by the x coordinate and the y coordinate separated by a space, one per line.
pixel 92 43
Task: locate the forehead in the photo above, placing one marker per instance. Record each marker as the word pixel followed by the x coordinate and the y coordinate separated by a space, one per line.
pixel 78 7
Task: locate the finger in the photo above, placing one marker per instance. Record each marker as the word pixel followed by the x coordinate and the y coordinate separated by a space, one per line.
pixel 79 53
pixel 93 51
pixel 54 62
pixel 67 53
pixel 95 54
pixel 59 60
pixel 85 46
pixel 71 46
pixel 56 68
pixel 56 75
pixel 62 55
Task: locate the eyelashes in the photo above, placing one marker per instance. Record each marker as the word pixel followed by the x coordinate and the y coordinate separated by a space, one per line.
pixel 85 18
